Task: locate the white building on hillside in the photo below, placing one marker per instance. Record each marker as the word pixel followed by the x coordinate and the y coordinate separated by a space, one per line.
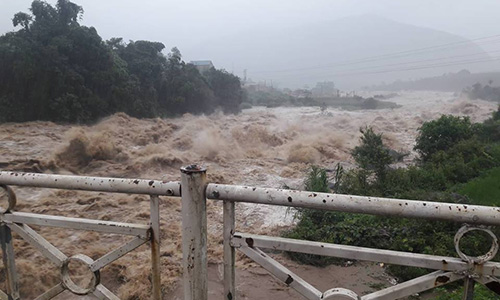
pixel 202 65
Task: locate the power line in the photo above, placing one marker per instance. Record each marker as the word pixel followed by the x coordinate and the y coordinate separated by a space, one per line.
pixel 465 62
pixel 415 62
pixel 466 43
pixel 393 55
pixel 388 56
pixel 431 66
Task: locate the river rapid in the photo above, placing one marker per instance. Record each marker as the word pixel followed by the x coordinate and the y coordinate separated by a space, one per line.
pixel 266 147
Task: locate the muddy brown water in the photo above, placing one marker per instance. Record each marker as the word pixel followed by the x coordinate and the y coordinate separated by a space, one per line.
pixel 259 147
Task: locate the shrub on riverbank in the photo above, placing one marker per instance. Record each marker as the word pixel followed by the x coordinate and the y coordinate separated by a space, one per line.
pixel 459 172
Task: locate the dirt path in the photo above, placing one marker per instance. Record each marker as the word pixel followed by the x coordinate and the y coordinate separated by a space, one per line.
pixel 253 282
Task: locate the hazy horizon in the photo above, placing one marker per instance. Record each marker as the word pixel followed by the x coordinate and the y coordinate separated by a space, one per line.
pixel 190 25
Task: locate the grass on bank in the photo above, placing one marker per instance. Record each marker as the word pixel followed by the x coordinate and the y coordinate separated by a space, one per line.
pixel 484 190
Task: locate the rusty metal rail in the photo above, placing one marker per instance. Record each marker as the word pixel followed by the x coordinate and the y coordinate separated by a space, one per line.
pixel 471 269
pixel 462 213
pixel 20 223
pixel 195 190
pixel 96 184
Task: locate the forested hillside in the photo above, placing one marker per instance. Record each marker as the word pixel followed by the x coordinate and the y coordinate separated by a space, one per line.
pixel 53 68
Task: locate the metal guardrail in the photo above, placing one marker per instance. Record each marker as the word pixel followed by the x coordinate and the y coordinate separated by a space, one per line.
pixel 20 223
pixel 448 269
pixel 195 190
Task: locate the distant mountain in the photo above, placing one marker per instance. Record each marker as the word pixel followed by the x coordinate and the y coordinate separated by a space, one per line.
pixel 450 82
pixel 305 54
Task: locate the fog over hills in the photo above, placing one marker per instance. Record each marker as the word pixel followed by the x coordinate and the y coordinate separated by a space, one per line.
pixel 292 43
pixel 331 50
pixel 449 82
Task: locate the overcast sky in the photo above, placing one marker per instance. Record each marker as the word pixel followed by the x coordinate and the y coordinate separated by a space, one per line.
pixel 187 23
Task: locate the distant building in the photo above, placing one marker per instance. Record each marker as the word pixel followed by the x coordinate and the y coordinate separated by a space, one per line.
pixel 202 65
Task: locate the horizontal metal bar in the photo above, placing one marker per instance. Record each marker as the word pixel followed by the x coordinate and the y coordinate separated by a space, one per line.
pixel 463 213
pixel 56 290
pixel 414 286
pixel 359 253
pixel 40 243
pixel 117 253
pixel 77 223
pixel 86 183
pixel 102 293
pixel 282 273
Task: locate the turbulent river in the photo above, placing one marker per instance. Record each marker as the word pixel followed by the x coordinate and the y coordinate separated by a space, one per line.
pixel 266 147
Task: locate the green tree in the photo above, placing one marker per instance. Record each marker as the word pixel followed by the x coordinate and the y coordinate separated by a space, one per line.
pixel 316 180
pixel 489 131
pixel 372 154
pixel 186 90
pixel 55 69
pixel 227 89
pixel 442 134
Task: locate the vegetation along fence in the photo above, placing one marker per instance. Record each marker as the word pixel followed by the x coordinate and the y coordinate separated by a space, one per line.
pixel 195 190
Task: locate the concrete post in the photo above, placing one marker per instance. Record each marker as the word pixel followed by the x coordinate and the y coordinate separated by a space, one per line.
pixel 194 232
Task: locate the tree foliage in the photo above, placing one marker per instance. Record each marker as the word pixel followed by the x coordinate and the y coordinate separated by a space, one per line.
pixel 490 129
pixel 226 91
pixel 53 68
pixel 456 170
pixel 372 154
pixel 442 134
pixel 486 92
pixel 316 180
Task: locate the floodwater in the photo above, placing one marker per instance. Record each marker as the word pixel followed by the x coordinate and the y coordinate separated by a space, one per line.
pixel 261 147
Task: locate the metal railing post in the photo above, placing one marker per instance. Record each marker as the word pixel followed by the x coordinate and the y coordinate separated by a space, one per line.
pixel 468 289
pixel 229 255
pixel 9 262
pixel 194 232
pixel 155 246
